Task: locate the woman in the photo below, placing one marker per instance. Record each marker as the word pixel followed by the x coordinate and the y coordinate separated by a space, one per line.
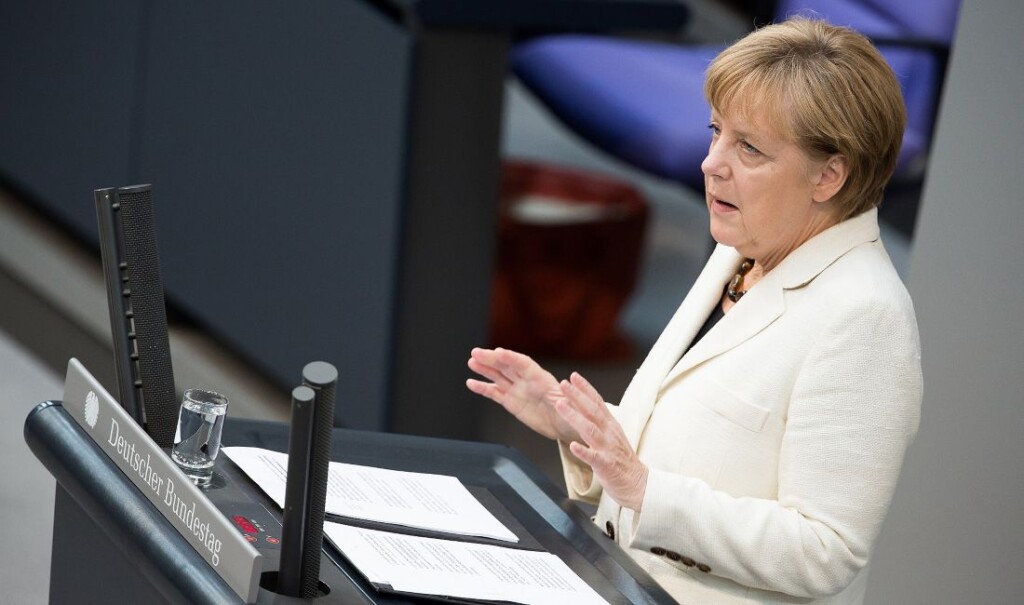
pixel 753 457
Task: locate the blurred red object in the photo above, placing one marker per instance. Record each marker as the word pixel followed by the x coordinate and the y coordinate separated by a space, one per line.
pixel 570 245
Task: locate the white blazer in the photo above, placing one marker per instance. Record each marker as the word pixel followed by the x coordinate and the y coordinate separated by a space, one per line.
pixel 775 443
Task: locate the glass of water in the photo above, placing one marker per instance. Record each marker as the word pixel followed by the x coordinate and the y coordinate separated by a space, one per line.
pixel 197 440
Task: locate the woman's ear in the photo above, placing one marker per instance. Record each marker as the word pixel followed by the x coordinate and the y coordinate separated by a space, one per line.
pixel 831 178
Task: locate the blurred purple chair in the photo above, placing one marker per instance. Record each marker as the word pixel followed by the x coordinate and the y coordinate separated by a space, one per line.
pixel 643 102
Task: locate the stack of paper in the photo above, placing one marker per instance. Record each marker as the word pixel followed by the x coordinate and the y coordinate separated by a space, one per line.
pixel 463 570
pixel 433 502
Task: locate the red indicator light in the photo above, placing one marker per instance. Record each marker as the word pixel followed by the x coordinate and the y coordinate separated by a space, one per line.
pixel 245 525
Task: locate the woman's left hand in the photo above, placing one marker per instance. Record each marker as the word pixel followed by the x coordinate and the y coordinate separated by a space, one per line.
pixel 605 446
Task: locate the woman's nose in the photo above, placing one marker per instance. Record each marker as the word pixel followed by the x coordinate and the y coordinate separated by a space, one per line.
pixel 713 164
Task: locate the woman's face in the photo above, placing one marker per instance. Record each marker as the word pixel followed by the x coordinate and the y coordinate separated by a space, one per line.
pixel 766 196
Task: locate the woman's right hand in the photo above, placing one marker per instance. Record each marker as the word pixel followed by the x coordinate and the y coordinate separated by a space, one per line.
pixel 522 387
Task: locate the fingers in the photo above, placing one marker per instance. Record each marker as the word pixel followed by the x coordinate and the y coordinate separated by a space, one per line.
pixel 603 445
pixel 496 356
pixel 484 363
pixel 486 389
pixel 585 400
pixel 499 362
pixel 510 363
pixel 622 474
pixel 588 430
pixel 583 409
pixel 585 387
pixel 584 453
pixel 491 373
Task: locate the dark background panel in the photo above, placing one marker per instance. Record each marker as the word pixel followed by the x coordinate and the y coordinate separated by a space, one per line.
pixel 67 101
pixel 274 138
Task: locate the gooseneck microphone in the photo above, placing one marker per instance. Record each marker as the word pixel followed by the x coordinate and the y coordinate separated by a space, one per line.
pixel 309 456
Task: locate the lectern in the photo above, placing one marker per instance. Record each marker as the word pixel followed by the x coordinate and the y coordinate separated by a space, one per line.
pixel 111 545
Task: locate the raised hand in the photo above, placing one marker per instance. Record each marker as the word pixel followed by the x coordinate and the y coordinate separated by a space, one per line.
pixel 602 443
pixel 522 387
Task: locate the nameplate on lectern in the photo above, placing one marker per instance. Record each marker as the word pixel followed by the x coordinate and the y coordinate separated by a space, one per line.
pixel 152 471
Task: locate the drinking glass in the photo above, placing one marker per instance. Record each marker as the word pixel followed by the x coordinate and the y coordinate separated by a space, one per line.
pixel 197 440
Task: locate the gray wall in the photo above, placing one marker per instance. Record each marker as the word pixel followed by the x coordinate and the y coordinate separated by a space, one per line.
pixel 956 533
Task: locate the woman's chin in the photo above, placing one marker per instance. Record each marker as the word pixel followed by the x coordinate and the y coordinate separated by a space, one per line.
pixel 723 235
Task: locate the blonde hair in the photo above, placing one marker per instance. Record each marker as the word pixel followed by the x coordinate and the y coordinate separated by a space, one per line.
pixel 831 91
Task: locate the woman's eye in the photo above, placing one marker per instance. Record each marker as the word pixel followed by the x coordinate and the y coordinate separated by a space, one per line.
pixel 749 148
pixel 715 130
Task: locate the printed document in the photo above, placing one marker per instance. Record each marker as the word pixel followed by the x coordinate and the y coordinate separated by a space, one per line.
pixel 430 566
pixel 421 500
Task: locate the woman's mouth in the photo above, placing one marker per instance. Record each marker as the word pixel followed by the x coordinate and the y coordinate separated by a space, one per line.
pixel 722 206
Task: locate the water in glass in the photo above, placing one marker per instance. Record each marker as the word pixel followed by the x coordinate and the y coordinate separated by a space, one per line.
pixel 197 441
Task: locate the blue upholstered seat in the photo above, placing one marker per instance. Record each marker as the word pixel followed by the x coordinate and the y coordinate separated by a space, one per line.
pixel 642 101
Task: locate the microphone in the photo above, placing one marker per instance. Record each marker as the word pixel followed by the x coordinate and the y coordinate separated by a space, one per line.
pixel 138 316
pixel 309 456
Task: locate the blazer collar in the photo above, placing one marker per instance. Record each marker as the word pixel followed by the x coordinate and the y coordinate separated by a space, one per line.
pixel 759 307
pixel 806 262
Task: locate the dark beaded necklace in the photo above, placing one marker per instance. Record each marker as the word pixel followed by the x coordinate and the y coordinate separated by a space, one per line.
pixel 733 291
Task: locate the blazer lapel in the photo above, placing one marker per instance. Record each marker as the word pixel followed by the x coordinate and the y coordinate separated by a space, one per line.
pixel 754 312
pixel 639 399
